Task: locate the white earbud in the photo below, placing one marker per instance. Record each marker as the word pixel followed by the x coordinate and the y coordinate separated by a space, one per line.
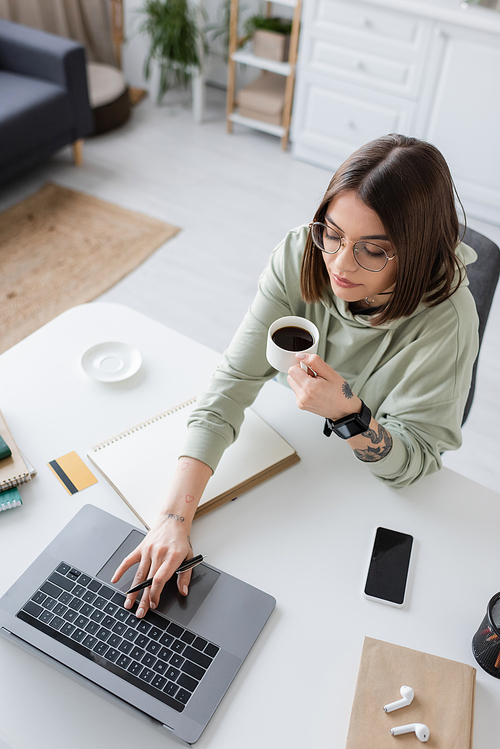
pixel 407 695
pixel 421 730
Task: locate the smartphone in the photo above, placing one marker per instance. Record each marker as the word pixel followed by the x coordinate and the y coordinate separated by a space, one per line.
pixel 389 567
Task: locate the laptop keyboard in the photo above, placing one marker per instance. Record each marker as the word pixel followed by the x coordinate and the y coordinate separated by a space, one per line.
pixel 157 655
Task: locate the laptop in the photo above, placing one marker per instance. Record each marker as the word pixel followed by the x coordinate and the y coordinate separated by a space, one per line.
pixel 174 665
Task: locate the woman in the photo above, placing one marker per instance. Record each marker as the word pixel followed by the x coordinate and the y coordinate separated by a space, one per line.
pixel 381 272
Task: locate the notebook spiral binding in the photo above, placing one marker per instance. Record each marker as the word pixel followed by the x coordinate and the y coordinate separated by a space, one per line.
pixel 142 424
pixel 21 478
pixel 10 506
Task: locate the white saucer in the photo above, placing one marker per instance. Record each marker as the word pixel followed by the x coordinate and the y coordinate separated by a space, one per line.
pixel 111 361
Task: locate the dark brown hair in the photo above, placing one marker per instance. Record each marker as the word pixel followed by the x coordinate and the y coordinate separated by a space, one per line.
pixel 408 184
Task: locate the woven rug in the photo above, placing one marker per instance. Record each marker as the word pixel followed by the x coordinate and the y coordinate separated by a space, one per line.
pixel 60 248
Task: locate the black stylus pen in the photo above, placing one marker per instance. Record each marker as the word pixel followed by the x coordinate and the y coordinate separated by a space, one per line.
pixel 184 567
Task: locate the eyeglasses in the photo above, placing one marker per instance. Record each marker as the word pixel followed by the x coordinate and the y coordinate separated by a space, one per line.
pixel 368 256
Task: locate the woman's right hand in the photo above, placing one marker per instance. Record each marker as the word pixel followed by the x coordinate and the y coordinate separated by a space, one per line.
pixel 168 543
pixel 165 547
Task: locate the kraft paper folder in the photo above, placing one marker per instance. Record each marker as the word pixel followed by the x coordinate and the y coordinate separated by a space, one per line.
pixel 140 462
pixel 444 698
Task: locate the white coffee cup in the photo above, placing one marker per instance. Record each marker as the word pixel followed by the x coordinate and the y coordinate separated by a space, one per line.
pixel 281 358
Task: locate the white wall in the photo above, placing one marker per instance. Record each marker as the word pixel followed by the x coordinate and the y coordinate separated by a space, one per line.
pixel 135 46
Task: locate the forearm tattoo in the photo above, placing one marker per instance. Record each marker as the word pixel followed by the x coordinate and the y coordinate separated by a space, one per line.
pixel 381 445
pixel 171 516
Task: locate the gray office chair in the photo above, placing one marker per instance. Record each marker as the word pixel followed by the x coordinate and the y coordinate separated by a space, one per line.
pixel 483 278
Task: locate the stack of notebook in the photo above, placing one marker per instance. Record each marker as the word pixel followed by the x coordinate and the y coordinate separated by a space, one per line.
pixel 14 469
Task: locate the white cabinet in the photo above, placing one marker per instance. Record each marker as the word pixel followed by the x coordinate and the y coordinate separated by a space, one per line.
pixel 461 114
pixel 335 118
pixel 369 68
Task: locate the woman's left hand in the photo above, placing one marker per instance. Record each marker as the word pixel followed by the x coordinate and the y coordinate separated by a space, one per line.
pixel 327 394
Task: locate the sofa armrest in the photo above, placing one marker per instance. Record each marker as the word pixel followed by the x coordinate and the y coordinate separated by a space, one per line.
pixel 52 58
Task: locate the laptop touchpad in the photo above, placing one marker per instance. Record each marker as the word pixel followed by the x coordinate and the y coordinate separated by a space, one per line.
pixel 179 608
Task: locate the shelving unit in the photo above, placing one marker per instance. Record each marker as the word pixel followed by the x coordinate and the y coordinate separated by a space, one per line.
pixel 286 69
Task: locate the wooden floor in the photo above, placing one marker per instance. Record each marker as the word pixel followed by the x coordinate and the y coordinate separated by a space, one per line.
pixel 234 197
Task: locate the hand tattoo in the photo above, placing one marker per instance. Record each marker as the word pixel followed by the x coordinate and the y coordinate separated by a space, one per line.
pixel 346 389
pixel 372 454
pixel 189 542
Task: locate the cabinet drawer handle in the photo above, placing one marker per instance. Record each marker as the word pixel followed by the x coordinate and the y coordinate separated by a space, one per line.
pixel 368 23
pixel 361 65
pixel 351 125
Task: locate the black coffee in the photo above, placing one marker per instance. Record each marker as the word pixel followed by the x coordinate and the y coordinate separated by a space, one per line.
pixel 292 338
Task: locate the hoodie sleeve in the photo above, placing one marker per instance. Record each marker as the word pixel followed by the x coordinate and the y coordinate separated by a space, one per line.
pixel 217 419
pixel 428 383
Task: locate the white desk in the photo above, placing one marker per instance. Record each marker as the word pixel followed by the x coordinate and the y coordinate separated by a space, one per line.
pixel 304 536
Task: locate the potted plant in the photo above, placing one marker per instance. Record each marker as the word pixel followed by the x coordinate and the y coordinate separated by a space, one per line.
pixel 176 42
pixel 270 36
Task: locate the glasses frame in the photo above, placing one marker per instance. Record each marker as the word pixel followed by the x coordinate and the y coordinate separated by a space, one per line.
pixel 343 243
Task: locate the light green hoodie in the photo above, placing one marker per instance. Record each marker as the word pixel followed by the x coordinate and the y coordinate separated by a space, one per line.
pixel 413 373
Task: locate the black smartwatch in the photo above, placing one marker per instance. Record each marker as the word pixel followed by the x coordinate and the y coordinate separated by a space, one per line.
pixel 350 425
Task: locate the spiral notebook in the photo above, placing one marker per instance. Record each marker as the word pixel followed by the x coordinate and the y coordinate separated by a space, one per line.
pixel 139 463
pixel 9 499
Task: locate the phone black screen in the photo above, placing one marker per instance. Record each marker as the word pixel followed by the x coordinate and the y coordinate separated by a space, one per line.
pixel 389 564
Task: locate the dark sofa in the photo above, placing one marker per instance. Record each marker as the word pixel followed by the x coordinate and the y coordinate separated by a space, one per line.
pixel 44 101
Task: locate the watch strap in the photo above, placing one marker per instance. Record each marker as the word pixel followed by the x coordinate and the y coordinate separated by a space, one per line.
pixel 349 426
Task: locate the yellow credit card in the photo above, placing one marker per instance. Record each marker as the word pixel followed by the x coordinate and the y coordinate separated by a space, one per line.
pixel 72 472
